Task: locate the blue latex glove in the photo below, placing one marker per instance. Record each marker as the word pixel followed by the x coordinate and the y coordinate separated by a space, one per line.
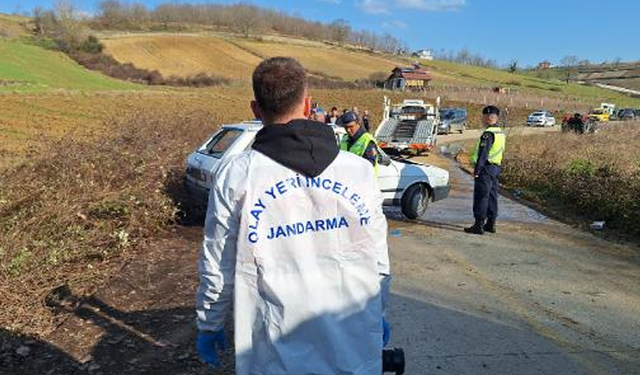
pixel 209 344
pixel 386 332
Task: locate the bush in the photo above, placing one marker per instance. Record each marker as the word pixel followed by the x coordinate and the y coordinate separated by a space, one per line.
pixel 595 177
pixel 65 215
pixel 580 168
pixel 91 45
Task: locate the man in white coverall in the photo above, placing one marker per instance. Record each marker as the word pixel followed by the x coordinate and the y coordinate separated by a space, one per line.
pixel 296 239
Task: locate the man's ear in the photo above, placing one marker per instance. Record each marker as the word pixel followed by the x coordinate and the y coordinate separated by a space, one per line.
pixel 255 108
pixel 307 106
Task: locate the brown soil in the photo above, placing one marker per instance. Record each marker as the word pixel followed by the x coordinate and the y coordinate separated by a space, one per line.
pixel 142 321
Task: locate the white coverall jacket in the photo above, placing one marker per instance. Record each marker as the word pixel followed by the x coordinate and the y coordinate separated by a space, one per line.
pixel 301 260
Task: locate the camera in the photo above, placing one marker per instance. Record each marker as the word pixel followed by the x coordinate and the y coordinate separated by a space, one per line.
pixel 393 361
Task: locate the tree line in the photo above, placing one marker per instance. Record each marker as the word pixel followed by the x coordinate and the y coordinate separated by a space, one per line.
pixel 245 19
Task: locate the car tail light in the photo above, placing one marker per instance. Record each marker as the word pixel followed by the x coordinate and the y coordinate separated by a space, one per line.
pixel 382 144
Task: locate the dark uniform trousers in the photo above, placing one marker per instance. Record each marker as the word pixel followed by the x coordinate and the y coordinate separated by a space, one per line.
pixel 485 193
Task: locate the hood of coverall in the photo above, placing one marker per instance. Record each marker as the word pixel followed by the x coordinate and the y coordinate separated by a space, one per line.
pixel 305 146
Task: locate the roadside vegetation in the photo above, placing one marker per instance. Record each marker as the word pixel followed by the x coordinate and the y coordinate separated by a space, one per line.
pixel 64 216
pixel 595 177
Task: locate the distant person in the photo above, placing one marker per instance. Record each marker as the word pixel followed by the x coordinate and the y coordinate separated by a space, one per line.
pixel 295 243
pixel 344 111
pixel 355 110
pixel 576 124
pixel 487 158
pixel 332 117
pixel 317 114
pixel 365 120
pixel 358 140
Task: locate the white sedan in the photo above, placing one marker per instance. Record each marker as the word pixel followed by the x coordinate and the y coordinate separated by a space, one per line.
pixel 541 118
pixel 403 183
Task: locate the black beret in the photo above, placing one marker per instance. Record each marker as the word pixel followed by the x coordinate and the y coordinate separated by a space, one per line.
pixel 491 110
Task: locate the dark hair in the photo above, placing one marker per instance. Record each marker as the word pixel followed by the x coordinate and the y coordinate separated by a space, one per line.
pixel 279 84
pixel 334 108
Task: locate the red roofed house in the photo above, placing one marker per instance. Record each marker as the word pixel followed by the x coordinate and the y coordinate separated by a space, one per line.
pixel 412 79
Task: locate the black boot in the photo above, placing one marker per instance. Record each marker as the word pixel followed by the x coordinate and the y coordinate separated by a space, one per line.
pixel 490 226
pixel 476 228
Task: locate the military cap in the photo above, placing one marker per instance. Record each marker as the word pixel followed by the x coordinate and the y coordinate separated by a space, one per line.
pixel 491 110
pixel 348 118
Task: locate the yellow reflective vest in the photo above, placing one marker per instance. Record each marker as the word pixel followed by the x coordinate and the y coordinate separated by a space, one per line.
pixel 497 149
pixel 359 146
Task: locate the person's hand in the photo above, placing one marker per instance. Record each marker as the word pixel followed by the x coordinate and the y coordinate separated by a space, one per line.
pixel 386 332
pixel 209 344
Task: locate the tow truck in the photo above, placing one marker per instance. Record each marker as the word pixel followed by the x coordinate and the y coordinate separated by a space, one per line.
pixel 408 127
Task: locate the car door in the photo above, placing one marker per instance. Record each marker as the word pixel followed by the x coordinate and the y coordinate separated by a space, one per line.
pixel 388 180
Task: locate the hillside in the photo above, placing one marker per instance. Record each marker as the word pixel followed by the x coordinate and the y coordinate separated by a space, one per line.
pixel 182 55
pixel 626 75
pixel 30 68
pixel 233 57
pixel 13 26
pixel 189 54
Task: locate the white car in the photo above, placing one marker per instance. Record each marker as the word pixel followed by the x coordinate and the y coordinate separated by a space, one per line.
pixel 541 118
pixel 403 183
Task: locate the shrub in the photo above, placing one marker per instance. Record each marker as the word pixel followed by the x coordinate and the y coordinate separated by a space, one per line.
pixel 91 45
pixel 580 168
pixel 66 214
pixel 592 176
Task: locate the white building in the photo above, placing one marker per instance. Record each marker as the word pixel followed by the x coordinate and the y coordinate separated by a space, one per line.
pixel 423 54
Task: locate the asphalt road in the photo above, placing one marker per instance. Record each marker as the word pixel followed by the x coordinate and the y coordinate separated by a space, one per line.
pixel 538 297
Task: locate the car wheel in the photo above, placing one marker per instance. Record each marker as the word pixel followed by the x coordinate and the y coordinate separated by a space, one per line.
pixel 414 201
pixel 464 126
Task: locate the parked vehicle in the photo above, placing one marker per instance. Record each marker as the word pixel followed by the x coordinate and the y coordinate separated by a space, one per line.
pixel 599 115
pixel 452 119
pixel 628 114
pixel 541 118
pixel 403 183
pixel 409 126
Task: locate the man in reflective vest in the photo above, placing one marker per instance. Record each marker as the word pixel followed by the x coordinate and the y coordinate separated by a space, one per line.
pixel 357 140
pixel 487 158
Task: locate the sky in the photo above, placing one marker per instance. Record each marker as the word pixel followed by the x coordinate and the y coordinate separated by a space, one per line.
pixel 526 31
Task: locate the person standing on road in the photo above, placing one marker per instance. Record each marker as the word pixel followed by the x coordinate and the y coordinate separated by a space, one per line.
pixel 358 140
pixel 295 239
pixel 487 158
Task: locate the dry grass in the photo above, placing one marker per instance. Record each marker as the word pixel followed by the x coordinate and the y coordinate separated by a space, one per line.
pixel 596 176
pixel 29 121
pixel 335 62
pixel 66 215
pixel 183 55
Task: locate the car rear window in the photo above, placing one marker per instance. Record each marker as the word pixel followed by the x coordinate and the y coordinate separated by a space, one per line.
pixel 221 142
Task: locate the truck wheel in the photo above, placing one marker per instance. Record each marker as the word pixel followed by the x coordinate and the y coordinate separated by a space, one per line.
pixel 414 201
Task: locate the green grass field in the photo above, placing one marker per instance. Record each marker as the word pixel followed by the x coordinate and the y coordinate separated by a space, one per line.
pixel 30 68
pixel 474 75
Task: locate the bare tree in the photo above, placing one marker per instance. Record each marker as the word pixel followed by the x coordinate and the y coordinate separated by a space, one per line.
pixel 570 64
pixel 44 22
pixel 340 30
pixel 513 66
